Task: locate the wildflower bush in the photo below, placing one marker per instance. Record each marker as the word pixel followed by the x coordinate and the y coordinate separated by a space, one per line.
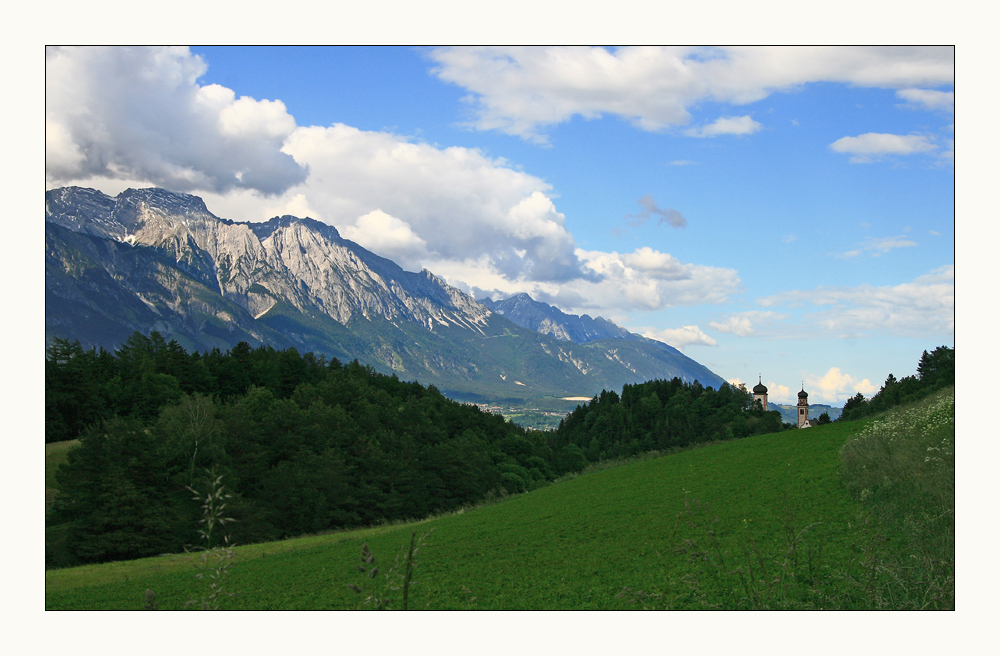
pixel 901 468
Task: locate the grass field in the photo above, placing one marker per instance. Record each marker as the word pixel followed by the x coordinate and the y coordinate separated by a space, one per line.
pixel 573 545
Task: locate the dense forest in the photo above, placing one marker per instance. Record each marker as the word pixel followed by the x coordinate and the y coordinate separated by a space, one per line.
pixel 661 414
pixel 934 371
pixel 303 444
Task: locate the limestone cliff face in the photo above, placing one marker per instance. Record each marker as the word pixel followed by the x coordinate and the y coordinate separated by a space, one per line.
pixel 301 262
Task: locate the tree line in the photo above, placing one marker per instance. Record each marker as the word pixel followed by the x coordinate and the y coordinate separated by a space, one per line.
pixel 935 370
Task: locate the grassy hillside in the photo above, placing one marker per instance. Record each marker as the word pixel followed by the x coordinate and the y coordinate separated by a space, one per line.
pixel 575 544
pixel 762 522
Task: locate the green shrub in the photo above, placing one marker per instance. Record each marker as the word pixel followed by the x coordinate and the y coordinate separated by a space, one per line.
pixel 512 483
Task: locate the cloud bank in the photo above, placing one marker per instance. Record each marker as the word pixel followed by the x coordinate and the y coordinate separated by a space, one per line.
pixel 834 386
pixel 922 308
pixel 522 91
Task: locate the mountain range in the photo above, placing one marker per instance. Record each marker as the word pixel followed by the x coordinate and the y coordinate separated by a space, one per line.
pixel 151 259
pixel 548 320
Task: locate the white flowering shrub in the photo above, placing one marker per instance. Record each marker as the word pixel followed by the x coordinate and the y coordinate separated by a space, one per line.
pixel 911 442
pixel 901 468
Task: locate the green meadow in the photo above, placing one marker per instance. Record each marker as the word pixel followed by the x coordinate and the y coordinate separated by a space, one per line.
pixel 762 522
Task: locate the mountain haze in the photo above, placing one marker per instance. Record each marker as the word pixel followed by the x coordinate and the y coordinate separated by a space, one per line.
pixel 150 259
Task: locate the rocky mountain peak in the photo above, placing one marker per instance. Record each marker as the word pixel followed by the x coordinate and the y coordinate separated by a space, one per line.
pixel 83 210
pixel 166 203
pixel 262 230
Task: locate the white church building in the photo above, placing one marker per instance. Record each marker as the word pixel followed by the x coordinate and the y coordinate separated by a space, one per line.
pixel 803 407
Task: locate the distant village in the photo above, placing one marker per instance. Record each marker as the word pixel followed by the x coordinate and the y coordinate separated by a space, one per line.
pixel 531 418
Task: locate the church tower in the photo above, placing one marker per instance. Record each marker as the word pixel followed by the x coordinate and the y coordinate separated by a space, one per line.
pixel 760 393
pixel 803 408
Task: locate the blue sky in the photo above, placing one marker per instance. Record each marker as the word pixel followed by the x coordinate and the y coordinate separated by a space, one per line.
pixel 787 212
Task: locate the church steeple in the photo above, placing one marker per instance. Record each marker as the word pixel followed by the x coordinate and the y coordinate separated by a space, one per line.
pixel 760 393
pixel 803 407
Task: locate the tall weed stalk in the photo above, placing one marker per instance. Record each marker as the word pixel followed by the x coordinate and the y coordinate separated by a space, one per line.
pixel 379 593
pixel 215 559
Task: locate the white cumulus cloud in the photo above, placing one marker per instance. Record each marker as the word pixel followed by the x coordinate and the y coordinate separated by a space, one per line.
pixel 646 279
pixel 619 283
pixel 744 324
pixel 389 237
pixel 880 245
pixel 873 146
pixel 777 393
pixel 726 125
pixel 835 386
pixel 931 99
pixel 457 203
pixel 140 114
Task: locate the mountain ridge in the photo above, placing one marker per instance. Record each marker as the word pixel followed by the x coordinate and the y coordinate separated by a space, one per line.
pixel 151 259
pixel 549 320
